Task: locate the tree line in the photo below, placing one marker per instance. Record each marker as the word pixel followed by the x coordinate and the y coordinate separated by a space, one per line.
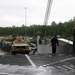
pixel 65 30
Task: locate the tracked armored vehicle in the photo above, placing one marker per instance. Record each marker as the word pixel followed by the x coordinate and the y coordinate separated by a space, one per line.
pixel 19 45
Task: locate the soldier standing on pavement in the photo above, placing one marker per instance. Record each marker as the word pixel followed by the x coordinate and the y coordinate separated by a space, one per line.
pixel 54 43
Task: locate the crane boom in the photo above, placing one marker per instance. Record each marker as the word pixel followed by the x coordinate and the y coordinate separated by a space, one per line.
pixel 48 9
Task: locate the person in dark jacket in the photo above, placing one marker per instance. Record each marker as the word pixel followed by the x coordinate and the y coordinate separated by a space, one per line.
pixel 54 43
pixel 74 40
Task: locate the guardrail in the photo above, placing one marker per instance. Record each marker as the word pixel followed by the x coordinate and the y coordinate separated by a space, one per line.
pixel 65 46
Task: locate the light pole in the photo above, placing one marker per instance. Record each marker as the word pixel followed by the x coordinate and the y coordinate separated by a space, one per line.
pixel 25 21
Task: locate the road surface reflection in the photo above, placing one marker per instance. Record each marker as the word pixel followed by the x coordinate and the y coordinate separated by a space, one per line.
pixel 29 70
pixel 20 70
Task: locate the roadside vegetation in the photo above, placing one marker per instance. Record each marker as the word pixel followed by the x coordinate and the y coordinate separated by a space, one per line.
pixel 65 30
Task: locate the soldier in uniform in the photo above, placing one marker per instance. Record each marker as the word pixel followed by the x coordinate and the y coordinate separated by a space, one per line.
pixel 54 43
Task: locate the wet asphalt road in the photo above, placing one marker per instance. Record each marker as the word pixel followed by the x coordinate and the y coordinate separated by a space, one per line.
pixel 39 64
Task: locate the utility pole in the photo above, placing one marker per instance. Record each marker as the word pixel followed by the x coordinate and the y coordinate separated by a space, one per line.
pixel 25 21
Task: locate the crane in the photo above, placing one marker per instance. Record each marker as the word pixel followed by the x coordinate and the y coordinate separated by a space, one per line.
pixel 48 9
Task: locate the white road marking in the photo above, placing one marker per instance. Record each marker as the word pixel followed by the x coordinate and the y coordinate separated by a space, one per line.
pixel 60 68
pixel 67 67
pixel 59 61
pixel 31 62
pixel 72 66
pixel 62 60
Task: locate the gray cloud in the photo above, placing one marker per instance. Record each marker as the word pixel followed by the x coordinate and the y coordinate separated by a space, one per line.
pixel 12 12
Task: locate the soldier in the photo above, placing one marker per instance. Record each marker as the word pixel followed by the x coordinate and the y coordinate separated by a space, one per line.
pixel 54 42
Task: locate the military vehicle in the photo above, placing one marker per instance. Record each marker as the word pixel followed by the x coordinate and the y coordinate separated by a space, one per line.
pixel 8 38
pixel 20 45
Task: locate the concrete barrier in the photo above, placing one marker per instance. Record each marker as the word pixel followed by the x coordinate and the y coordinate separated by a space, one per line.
pixel 65 46
pixel 44 48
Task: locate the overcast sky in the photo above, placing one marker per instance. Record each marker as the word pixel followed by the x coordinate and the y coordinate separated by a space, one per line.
pixel 12 12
